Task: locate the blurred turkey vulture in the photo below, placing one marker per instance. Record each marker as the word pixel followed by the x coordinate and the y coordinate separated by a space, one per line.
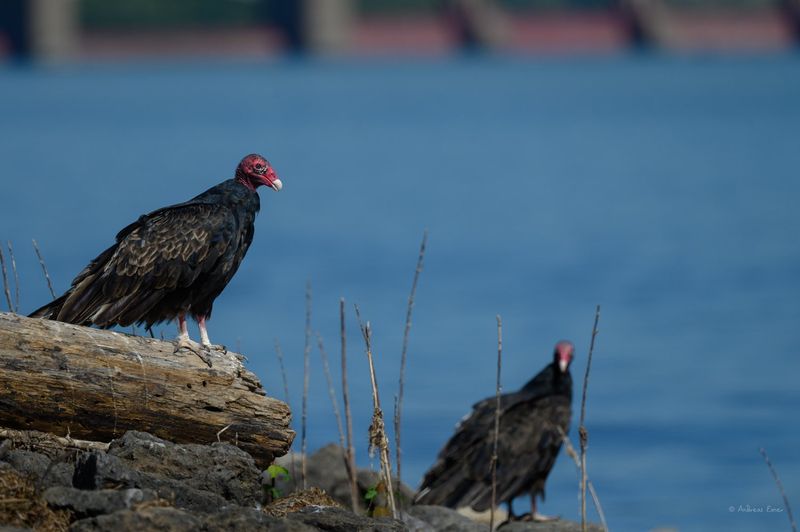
pixel 528 444
pixel 172 262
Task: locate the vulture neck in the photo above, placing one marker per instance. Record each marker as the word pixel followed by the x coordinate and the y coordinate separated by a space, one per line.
pixel 551 381
pixel 246 182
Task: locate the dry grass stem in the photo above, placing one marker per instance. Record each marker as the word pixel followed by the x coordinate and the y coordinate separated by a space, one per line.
pixel 306 377
pixel 496 436
pixel 572 453
pixel 44 268
pixel 331 391
pixel 279 353
pixel 398 410
pixel 780 488
pixel 350 454
pixel 22 506
pixel 219 434
pixel 584 435
pixel 377 429
pixel 16 276
pixel 5 280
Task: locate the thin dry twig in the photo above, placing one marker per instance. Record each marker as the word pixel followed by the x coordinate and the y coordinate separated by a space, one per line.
pixel 780 488
pixel 398 410
pixel 350 455
pixel 584 435
pixel 44 268
pixel 331 391
pixel 306 377
pixel 496 436
pixel 574 455
pixel 279 353
pixel 16 276
pixel 377 429
pixel 5 280
pixel 223 429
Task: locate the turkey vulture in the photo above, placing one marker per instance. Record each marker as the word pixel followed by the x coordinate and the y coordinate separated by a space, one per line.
pixel 528 443
pixel 172 262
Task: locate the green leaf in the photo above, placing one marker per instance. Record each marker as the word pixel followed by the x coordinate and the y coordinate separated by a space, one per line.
pixel 371 493
pixel 278 472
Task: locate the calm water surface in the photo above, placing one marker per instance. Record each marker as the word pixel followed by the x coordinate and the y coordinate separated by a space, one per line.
pixel 663 188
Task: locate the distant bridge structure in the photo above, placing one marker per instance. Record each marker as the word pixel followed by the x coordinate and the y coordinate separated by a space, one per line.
pixel 51 30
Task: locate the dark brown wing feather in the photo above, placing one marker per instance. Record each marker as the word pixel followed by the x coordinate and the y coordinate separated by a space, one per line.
pixel 157 258
pixel 528 444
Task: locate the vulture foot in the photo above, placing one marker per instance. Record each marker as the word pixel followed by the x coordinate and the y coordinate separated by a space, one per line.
pixel 202 351
pixel 216 347
pixel 536 517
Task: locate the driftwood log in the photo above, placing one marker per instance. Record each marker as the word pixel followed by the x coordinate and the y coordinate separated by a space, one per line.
pixel 94 384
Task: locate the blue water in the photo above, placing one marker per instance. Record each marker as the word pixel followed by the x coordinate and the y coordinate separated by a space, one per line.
pixel 663 188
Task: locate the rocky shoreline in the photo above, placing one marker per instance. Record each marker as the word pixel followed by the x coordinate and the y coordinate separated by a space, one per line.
pixel 142 482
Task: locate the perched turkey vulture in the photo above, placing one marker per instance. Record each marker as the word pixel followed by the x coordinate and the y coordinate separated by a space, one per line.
pixel 172 262
pixel 528 443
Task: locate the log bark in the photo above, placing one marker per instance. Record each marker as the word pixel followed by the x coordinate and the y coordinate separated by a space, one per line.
pixel 95 384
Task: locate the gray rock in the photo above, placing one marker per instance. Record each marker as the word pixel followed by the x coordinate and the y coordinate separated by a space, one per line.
pixel 559 525
pixel 98 470
pixel 414 524
pixel 60 474
pixel 443 519
pixel 5 447
pixel 89 503
pixel 333 519
pixel 325 469
pixel 218 468
pixel 248 519
pixel 151 518
pixel 183 496
pixel 27 462
pixel 38 466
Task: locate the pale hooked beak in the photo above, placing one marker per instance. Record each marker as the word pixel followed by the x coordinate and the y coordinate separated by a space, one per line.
pixel 562 364
pixel 276 185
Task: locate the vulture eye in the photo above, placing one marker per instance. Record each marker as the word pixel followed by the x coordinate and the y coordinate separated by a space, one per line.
pixel 259 168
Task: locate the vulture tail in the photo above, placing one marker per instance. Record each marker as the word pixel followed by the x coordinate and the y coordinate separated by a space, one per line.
pixel 50 310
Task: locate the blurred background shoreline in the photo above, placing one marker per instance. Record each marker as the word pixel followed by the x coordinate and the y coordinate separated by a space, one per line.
pixel 60 30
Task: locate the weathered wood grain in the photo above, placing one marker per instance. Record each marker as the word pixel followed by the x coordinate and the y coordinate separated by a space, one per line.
pixel 95 384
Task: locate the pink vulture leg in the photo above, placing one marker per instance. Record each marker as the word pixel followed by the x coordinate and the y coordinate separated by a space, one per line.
pixel 201 322
pixel 183 329
pixel 184 342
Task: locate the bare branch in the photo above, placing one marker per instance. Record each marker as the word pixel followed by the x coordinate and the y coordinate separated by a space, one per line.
pixel 570 450
pixel 331 391
pixel 350 455
pixel 306 377
pixel 16 276
pixel 377 429
pixel 496 439
pixel 5 280
pixel 279 352
pixel 44 268
pixel 398 411
pixel 223 429
pixel 50 442
pixel 780 488
pixel 584 435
